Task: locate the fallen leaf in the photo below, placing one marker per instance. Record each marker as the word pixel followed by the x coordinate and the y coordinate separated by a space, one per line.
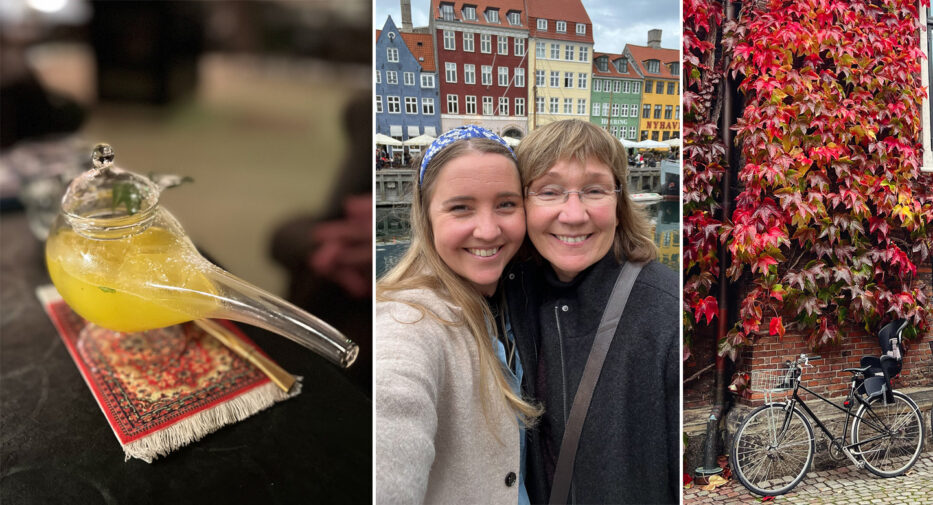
pixel 714 482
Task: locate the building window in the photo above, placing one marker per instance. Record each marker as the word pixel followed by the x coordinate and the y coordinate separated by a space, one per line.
pixel 668 111
pixel 519 106
pixel 539 77
pixel 631 132
pixel 657 112
pixel 581 80
pixel 644 135
pixel 492 15
pixel 677 112
pixel 487 75
pixel 584 54
pixel 615 110
pixel 555 105
pixel 447 12
pixel 653 66
pixel 427 106
pixel 503 76
pixel 395 105
pixel 581 29
pixel 568 52
pixel 515 18
pixel 614 131
pixel 392 54
pixel 503 106
pixel 487 105
pixel 542 25
pixel 555 51
pixel 503 44
pixel 470 105
pixel 649 85
pixel 627 87
pixel 469 73
pixel 671 88
pixel 411 105
pixel 409 78
pixel 449 43
pixel 450 72
pixel 468 42
pixel 636 87
pixel 469 13
pixel 378 77
pixel 602 64
pixel 665 135
pixel 646 111
pixel 581 106
pixel 519 46
pixel 617 86
pixel 595 109
pixel 606 109
pixel 427 80
pixel 568 105
pixel 452 104
pixel 539 50
pixel 391 77
pixel 568 79
pixel 485 43
pixel 598 85
pixel 378 104
pixel 561 27
pixel 675 68
pixel 539 104
pixel 621 65
pixel 654 135
pixel 519 77
pixel 555 79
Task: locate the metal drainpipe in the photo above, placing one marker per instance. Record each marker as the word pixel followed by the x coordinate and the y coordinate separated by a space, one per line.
pixel 711 449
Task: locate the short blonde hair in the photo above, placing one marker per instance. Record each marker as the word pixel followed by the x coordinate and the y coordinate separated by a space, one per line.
pixel 422 268
pixel 575 139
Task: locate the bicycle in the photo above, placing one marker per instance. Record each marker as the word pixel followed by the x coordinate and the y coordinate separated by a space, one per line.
pixel 773 448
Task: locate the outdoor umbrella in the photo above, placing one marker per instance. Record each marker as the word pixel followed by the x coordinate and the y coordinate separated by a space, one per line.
pixel 512 141
pixel 628 144
pixel 386 140
pixel 652 144
pixel 420 140
pixel 673 142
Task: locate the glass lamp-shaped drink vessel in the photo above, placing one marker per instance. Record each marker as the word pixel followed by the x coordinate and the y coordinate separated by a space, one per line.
pixel 124 263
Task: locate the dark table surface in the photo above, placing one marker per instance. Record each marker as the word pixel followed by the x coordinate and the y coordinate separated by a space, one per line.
pixel 56 445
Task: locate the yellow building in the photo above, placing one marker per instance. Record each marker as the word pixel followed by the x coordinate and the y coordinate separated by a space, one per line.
pixel 560 52
pixel 660 99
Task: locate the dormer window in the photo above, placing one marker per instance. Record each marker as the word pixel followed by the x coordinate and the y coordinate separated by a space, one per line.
pixel 492 15
pixel 515 18
pixel 674 68
pixel 561 27
pixel 469 13
pixel 621 65
pixel 581 29
pixel 542 25
pixel 602 64
pixel 447 12
pixel 653 66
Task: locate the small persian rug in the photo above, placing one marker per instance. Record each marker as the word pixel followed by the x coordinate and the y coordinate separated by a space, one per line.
pixel 162 389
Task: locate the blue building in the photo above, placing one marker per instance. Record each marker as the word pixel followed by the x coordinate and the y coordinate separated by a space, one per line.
pixel 407 92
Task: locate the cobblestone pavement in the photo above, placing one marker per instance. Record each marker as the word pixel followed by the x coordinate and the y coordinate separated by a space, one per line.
pixel 846 485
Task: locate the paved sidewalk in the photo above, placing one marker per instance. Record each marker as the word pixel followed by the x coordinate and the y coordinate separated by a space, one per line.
pixel 846 485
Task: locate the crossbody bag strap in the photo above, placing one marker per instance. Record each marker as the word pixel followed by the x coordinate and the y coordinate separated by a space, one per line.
pixel 563 472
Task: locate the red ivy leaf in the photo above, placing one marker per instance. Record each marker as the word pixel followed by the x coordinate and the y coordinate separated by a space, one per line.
pixel 776 327
pixel 707 307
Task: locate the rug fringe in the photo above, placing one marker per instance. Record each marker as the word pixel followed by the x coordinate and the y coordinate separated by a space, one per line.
pixel 207 421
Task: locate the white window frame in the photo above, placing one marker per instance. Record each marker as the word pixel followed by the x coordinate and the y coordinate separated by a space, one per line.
pixel 596 109
pixel 378 76
pixel 427 106
pixel 555 79
pixel 542 24
pixel 411 105
pixel 657 111
pixel 392 54
pixel 646 111
pixel 615 110
pixel 554 105
pixel 502 45
pixel 519 77
pixel 469 13
pixel 568 79
pixel 450 40
pixel 408 78
pixel 597 85
pixel 453 104
pixel 540 50
pixel 561 27
pixel 391 77
pixel 568 52
pixel 617 87
pixel 653 66
pixel 378 104
pixel 447 12
pixel 450 72
pixel 519 106
pixel 390 102
pixel 485 43
pixel 568 105
pixel 605 109
pixel 540 78
pixel 468 41
pixel 636 87
pixel 486 77
pixel 487 106
pixel 427 80
pixel 555 51
pixel 515 18
pixel 668 112
pixel 584 54
pixel 503 106
pixel 539 104
pixel 492 15
pixel 677 114
pixel 469 107
pixel 582 78
pixel 469 73
pixel 581 29
pixel 519 46
pixel 581 106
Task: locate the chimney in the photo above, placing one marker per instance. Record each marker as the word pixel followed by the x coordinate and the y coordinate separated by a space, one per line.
pixel 406 16
pixel 654 37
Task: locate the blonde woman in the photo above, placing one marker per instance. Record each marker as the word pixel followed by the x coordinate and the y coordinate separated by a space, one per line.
pixel 584 229
pixel 449 414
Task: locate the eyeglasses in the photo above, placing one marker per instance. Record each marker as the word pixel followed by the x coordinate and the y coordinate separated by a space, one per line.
pixel 553 194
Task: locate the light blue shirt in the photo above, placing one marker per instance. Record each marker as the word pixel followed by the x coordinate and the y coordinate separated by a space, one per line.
pixel 515 380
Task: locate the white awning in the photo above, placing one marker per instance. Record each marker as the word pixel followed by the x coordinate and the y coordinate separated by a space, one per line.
pixel 413 131
pixel 430 130
pixel 395 130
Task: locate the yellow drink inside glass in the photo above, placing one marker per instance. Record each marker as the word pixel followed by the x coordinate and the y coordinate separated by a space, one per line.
pixel 141 282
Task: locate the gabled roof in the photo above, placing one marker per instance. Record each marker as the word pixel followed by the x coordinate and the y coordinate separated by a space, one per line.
pixel 641 54
pixel 421 46
pixel 571 11
pixel 612 72
pixel 504 7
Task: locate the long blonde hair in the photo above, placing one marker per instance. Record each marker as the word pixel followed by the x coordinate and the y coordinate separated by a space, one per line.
pixel 422 268
pixel 580 140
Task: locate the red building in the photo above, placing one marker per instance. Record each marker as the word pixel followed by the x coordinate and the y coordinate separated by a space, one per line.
pixel 481 50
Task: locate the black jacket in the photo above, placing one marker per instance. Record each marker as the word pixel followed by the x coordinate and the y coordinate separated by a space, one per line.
pixel 629 449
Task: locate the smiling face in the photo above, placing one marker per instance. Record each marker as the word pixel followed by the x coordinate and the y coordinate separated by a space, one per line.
pixel 477 217
pixel 573 235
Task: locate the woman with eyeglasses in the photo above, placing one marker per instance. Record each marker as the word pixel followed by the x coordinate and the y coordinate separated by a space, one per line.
pixel 585 229
pixel 449 411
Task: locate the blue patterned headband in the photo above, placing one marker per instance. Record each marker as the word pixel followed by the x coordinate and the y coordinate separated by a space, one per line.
pixel 451 136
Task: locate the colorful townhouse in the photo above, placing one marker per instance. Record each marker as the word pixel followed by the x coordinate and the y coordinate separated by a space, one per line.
pixel 481 50
pixel 560 50
pixel 660 100
pixel 616 95
pixel 407 92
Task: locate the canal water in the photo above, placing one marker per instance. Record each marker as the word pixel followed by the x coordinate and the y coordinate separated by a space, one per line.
pixel 665 215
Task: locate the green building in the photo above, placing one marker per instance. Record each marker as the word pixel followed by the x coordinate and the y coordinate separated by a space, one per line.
pixel 615 95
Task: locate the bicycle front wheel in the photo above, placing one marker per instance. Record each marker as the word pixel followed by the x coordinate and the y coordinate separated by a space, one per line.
pixel 772 450
pixel 889 437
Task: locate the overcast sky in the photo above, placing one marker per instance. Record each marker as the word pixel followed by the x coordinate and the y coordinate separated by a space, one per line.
pixel 615 22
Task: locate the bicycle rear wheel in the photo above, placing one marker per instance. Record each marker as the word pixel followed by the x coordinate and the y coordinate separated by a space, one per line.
pixel 889 437
pixel 772 450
